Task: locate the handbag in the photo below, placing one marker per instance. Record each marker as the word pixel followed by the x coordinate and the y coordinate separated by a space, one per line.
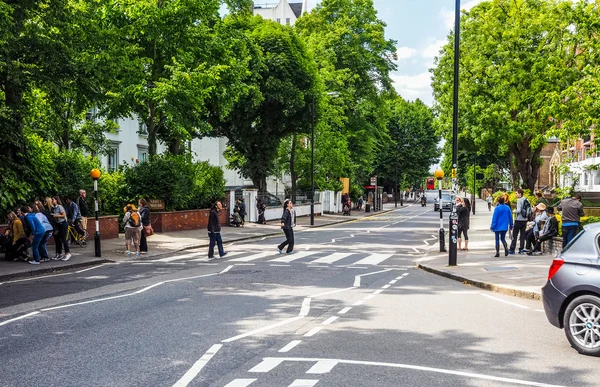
pixel 148 230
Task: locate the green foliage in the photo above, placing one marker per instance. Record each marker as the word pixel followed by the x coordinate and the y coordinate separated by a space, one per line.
pixel 589 219
pixel 209 185
pixel 113 193
pixel 73 169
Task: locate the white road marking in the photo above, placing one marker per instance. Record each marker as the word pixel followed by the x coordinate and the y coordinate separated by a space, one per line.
pixel 240 382
pixel 322 367
pixel 174 263
pixel 176 257
pixel 95 277
pixel 313 332
pixel 331 258
pixel 197 367
pixel 463 292
pixel 226 269
pixel 412 367
pixel 357 278
pixel 229 254
pixel 374 259
pixel 291 345
pixel 386 286
pixel 333 241
pixel 404 275
pixel 330 320
pixel 359 302
pixel 90 268
pixel 305 307
pixel 279 265
pixel 416 250
pixel 251 257
pixel 143 263
pixel 268 364
pixel 504 301
pixel 332 292
pixel 327 267
pixel 378 291
pixel 345 310
pixel 18 318
pixel 540 310
pixel 245 264
pixel 393 281
pixel 369 297
pixel 292 257
pixel 35 278
pixel 263 329
pixel 304 383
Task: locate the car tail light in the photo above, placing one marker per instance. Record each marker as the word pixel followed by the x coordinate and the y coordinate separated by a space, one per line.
pixel 556 264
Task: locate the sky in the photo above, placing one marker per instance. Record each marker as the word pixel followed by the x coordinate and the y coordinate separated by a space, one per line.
pixel 420 28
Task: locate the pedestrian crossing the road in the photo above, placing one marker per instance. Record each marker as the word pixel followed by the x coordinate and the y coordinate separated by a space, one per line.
pixel 311 258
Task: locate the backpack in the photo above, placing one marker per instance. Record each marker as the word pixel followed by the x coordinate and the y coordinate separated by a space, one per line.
pixel 134 219
pixel 526 209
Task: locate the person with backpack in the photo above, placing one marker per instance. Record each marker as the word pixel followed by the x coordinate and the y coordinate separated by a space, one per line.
pixel 523 212
pixel 133 229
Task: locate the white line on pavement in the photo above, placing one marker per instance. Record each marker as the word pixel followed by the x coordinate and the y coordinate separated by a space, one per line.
pixel 279 265
pixel 358 277
pixel 197 367
pixel 304 383
pixel 386 286
pixel 263 329
pixel 359 302
pixel 305 307
pixel 90 268
pixel 226 269
pixel 35 278
pixel 345 310
pixel 504 301
pixel 330 320
pixel 268 364
pixel 240 382
pixel 378 291
pixel 393 281
pixel 18 318
pixel 322 367
pixel 370 296
pixel 332 292
pixel 313 332
pixel 291 345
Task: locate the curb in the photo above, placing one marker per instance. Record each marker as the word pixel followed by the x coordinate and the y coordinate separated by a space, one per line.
pixel 55 269
pixel 484 285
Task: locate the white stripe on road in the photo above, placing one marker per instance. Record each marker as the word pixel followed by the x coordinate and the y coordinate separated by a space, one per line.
pixel 345 310
pixel 18 318
pixel 332 292
pixel 322 367
pixel 504 301
pixel 292 257
pixel 90 268
pixel 291 345
pixel 331 258
pixel 359 302
pixel 197 367
pixel 263 329
pixel 305 307
pixel 241 383
pixel 330 320
pixel 373 259
pixel 304 383
pixel 251 257
pixel 176 257
pixel 278 361
pixel 267 365
pixel 357 278
pixel 313 332
pixel 229 254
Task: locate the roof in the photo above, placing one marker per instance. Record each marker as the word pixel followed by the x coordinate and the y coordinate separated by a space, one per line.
pixel 297 8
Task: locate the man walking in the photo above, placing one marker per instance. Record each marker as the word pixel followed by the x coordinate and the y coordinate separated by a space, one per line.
pixel 84 208
pixel 572 211
pixel 214 231
pixel 522 211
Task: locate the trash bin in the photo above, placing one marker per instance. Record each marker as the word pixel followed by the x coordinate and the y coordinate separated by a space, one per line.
pixel 368 207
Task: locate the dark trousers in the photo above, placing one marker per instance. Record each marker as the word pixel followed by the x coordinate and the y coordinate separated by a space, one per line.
pixel 489 206
pixel 143 242
pixel 500 236
pixel 538 243
pixel 529 238
pixel 289 240
pixel 215 238
pixel 60 240
pixel 518 230
pixel 19 249
pixel 42 247
pixel 568 233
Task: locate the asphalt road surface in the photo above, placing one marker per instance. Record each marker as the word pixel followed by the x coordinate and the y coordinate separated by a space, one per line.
pixel 347 309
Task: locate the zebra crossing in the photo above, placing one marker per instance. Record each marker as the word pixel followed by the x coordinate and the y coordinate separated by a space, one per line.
pixel 309 257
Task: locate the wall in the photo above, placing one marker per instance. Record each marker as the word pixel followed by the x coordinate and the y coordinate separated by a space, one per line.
pixel 183 220
pixel 274 213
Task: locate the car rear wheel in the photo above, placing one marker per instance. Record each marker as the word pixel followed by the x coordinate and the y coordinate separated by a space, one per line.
pixel 582 324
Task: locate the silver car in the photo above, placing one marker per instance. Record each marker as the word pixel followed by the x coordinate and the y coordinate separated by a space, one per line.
pixel 571 295
pixel 446 202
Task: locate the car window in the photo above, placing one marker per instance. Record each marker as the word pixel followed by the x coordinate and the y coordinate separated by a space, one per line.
pixel 446 197
pixel 568 246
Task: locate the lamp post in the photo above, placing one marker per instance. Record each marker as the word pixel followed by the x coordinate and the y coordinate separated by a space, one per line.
pixel 453 216
pixel 474 183
pixel 439 175
pixel 312 158
pixel 95 174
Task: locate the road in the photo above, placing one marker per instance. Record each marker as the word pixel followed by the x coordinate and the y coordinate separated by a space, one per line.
pixel 348 309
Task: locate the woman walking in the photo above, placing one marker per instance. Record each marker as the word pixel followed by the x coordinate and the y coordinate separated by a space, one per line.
pixel 502 221
pixel 464 213
pixel 145 218
pixel 286 226
pixel 214 231
pixel 60 215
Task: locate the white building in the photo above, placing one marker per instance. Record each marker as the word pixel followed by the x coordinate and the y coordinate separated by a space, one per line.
pixel 130 142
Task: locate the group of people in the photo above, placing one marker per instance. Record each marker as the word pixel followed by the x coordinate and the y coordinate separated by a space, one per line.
pixel 137 228
pixel 533 225
pixel 32 226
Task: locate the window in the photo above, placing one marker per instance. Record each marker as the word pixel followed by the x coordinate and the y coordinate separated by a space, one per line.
pixel 113 157
pixel 278 20
pixel 142 129
pixel 586 180
pixel 142 154
pixel 287 21
pixel 90 115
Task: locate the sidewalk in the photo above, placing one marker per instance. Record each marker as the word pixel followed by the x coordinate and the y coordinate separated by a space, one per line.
pixel 517 275
pixel 168 243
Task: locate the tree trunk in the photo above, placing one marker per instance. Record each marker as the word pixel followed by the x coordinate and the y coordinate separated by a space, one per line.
pixel 293 174
pixel 527 163
pixel 152 129
pixel 12 139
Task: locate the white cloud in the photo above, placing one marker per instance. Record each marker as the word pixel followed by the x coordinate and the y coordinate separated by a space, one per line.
pixel 411 87
pixel 405 52
pixel 447 15
pixel 433 50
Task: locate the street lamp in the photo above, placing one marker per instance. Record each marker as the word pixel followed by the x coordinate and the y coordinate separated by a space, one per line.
pixel 312 158
pixel 453 216
pixel 439 175
pixel 95 174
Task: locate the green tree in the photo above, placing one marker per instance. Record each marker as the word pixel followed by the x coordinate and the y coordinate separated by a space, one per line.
pixel 514 54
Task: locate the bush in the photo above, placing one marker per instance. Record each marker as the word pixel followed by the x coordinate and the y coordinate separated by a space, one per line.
pixel 112 193
pixel 209 185
pixel 73 168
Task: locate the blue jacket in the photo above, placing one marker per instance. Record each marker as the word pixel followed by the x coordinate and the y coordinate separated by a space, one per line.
pixel 502 219
pixel 35 225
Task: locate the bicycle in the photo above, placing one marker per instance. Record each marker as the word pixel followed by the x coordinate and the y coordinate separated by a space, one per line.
pixel 73 235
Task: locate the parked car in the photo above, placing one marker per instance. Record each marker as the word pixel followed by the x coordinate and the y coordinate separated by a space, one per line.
pixel 446 202
pixel 571 295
